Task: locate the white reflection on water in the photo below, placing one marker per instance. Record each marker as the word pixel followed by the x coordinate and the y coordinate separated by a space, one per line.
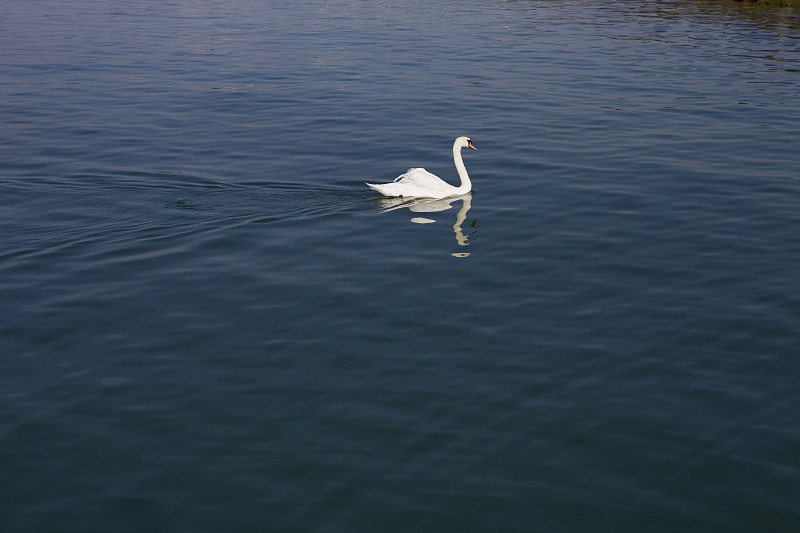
pixel 432 205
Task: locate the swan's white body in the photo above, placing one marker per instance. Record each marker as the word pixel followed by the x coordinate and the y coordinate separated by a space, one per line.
pixel 418 182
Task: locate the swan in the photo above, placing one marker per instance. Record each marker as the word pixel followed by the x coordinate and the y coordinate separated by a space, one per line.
pixel 421 183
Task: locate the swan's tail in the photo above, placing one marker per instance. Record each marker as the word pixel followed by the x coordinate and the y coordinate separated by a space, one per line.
pixel 383 188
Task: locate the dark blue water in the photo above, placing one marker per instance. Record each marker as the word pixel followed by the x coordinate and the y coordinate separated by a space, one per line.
pixel 208 322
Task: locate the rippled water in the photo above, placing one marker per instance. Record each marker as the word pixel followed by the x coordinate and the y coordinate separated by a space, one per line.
pixel 208 322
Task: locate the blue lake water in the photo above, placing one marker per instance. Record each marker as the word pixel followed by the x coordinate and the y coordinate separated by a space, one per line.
pixel 209 323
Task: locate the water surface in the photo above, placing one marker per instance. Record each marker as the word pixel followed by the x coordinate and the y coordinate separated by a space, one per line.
pixel 208 322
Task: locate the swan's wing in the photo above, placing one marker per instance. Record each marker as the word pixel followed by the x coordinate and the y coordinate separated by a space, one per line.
pixel 416 182
pixel 415 175
pixel 426 183
pixel 419 177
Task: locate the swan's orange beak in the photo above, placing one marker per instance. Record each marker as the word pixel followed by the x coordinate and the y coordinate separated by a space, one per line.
pixel 469 143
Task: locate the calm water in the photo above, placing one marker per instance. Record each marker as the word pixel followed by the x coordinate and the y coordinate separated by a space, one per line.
pixel 208 322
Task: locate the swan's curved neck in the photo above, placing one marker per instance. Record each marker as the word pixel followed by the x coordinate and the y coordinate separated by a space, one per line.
pixel 466 184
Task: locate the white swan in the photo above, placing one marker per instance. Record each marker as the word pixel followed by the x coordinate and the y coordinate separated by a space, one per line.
pixel 421 183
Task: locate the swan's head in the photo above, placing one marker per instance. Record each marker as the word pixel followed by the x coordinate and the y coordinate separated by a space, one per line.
pixel 465 142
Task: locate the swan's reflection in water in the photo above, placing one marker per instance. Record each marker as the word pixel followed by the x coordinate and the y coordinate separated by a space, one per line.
pixel 431 205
